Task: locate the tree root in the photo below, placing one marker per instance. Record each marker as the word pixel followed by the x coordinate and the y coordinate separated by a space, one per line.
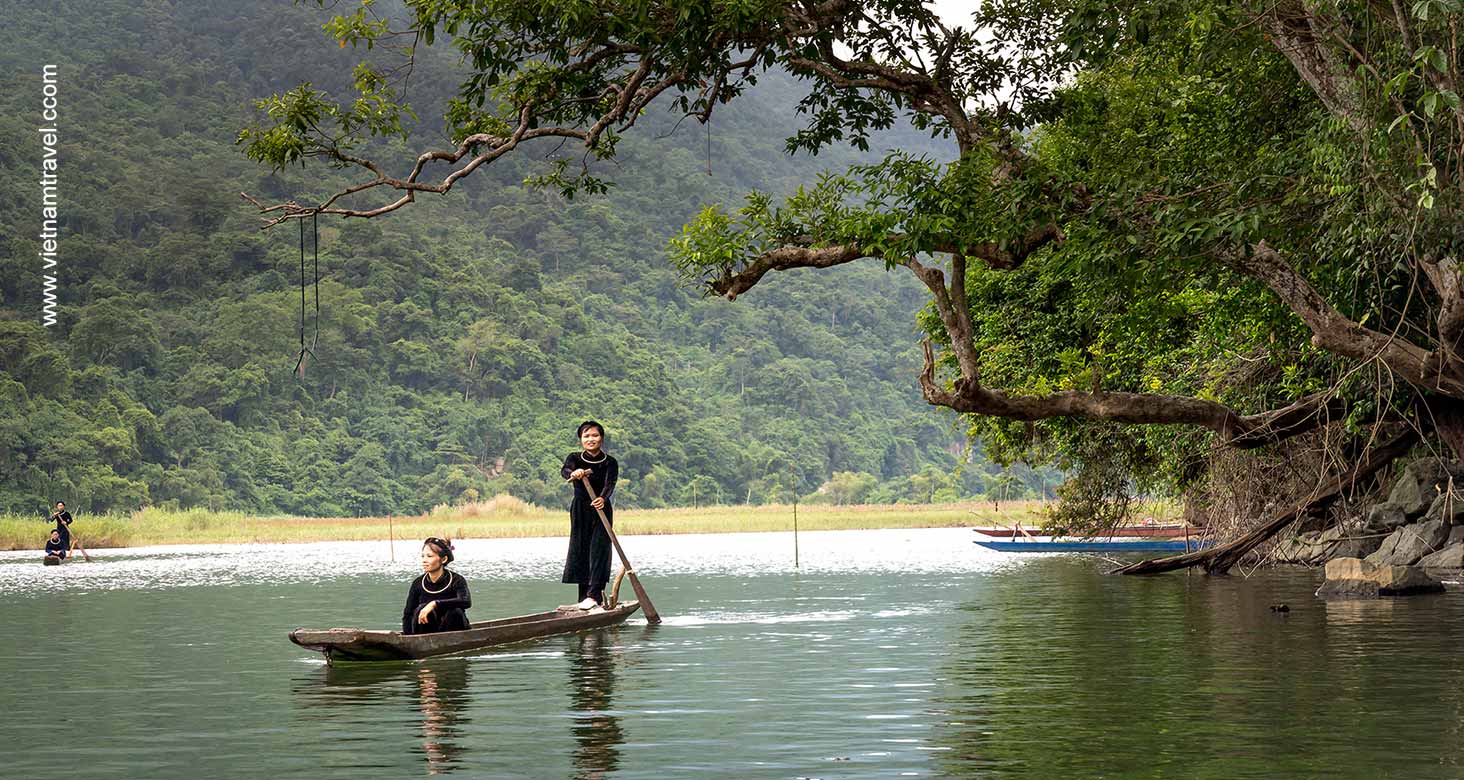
pixel 1219 560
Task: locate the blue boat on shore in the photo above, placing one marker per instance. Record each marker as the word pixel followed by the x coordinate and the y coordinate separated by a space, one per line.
pixel 1045 544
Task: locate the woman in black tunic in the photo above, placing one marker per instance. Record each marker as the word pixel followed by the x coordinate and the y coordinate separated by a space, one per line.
pixel 55 547
pixel 588 562
pixel 62 518
pixel 438 600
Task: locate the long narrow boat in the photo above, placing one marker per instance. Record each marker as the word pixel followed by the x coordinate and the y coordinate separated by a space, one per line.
pixel 1145 531
pixel 1047 544
pixel 355 644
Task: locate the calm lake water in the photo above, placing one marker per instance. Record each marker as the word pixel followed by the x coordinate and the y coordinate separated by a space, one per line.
pixel 888 654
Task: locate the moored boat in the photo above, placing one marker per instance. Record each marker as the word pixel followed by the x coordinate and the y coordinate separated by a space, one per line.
pixel 1048 544
pixel 355 644
pixel 1145 531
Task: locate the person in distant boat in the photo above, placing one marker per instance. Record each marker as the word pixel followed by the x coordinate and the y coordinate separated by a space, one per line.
pixel 62 519
pixel 55 547
pixel 439 599
pixel 588 562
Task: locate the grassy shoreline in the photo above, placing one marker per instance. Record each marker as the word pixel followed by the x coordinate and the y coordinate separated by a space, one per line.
pixel 197 526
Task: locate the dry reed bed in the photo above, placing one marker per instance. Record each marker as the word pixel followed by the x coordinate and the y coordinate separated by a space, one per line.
pixel 500 517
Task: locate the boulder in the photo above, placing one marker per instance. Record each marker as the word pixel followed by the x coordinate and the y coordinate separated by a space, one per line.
pixel 1357 578
pixel 1354 547
pixel 1420 482
pixel 1385 518
pixel 1448 508
pixel 1451 557
pixel 1411 542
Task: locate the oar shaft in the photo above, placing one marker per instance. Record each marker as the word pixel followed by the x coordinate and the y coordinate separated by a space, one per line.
pixel 640 593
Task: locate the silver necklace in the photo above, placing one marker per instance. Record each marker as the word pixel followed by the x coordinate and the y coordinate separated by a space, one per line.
pixel 587 460
pixel 426 578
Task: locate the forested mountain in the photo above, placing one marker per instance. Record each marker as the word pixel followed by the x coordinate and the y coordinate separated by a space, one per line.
pixel 456 347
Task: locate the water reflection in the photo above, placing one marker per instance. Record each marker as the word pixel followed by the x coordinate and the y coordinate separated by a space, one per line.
pixel 441 695
pixel 436 692
pixel 1041 668
pixel 596 728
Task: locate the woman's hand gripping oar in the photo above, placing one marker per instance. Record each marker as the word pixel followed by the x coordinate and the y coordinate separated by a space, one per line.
pixel 640 593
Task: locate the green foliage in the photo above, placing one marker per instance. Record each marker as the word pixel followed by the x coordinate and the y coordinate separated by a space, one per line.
pixel 456 352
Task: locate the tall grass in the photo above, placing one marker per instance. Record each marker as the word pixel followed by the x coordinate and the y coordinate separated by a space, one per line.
pixel 505 516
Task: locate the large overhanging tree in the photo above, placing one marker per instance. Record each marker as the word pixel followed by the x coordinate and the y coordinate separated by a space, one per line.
pixel 1148 200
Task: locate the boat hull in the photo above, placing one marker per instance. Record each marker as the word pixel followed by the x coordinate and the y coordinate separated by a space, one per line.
pixel 1040 545
pixel 51 560
pixel 354 645
pixel 1156 532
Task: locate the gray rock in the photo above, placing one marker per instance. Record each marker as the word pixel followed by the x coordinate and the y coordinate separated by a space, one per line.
pixel 1406 545
pixel 1385 518
pixel 1421 482
pixel 1315 547
pixel 1354 547
pixel 1287 551
pixel 1357 578
pixel 1448 507
pixel 1407 494
pixel 1451 557
pixel 1300 549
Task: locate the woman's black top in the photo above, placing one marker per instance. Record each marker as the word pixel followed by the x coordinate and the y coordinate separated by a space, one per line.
pixel 63 519
pixel 604 473
pixel 56 548
pixel 450 592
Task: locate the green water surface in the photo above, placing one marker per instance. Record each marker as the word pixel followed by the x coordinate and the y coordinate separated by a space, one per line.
pixel 886 654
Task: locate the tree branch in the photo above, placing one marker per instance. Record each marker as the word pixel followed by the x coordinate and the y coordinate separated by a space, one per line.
pixel 1235 430
pixel 1334 332
pixel 1291 26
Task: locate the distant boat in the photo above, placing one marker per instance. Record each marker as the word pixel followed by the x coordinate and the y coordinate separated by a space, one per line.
pixel 1147 531
pixel 1050 544
pixel 354 644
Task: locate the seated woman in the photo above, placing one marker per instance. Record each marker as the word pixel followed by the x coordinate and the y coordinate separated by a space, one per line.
pixel 55 547
pixel 439 598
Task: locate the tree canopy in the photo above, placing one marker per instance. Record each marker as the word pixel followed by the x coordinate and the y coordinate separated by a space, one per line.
pixel 1164 227
pixel 457 348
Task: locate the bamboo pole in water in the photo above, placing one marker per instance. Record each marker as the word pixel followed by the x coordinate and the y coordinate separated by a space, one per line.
pixel 795 516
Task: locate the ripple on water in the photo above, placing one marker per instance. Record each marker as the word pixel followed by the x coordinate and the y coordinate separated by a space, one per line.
pixel 926 551
pixel 902 653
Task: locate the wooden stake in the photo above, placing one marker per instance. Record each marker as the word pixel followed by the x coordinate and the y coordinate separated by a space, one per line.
pixel 794 477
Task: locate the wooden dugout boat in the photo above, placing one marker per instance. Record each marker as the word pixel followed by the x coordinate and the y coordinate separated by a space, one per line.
pixel 51 560
pixel 356 645
pixel 1048 544
pixel 1143 531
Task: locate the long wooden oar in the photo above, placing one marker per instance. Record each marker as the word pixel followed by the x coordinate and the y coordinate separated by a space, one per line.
pixel 76 545
pixel 640 593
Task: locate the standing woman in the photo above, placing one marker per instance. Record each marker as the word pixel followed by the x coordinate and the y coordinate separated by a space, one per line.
pixel 588 562
pixel 439 599
pixel 62 519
